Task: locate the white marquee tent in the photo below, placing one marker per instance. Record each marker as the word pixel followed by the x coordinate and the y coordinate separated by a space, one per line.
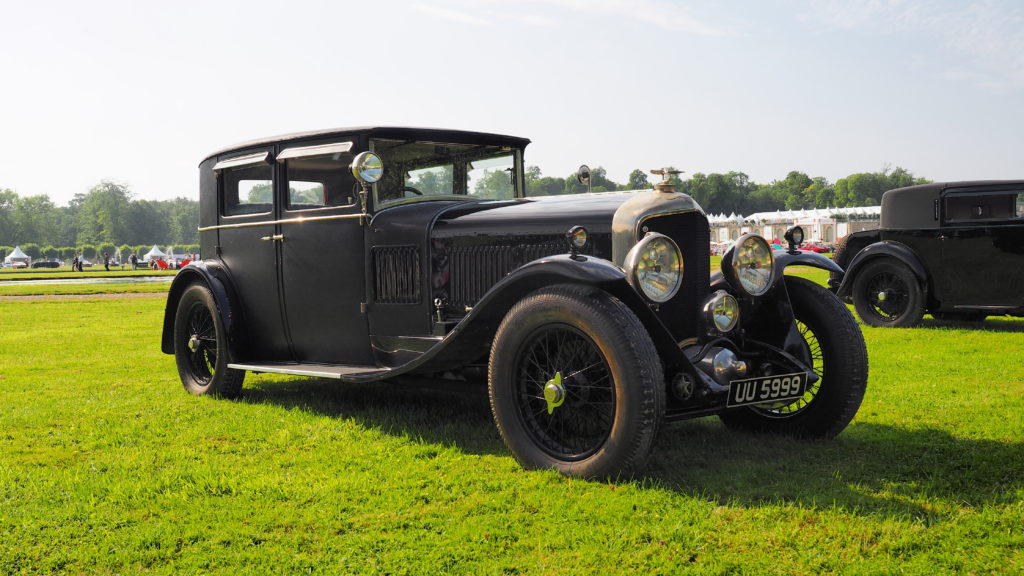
pixel 153 254
pixel 17 255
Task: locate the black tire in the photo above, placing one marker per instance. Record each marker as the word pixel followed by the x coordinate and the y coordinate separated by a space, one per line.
pixel 840 257
pixel 960 316
pixel 200 347
pixel 834 347
pixel 587 348
pixel 886 294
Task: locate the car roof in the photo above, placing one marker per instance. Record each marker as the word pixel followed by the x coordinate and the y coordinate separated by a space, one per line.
pixel 913 207
pixel 395 132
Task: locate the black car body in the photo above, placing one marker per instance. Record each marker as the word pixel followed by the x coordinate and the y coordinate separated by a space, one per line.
pixel 954 250
pixel 370 253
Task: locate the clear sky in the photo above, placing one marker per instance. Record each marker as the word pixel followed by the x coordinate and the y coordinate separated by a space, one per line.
pixel 140 92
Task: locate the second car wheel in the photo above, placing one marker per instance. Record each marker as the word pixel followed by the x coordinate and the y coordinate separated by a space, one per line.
pixel 829 341
pixel 576 383
pixel 886 293
pixel 200 347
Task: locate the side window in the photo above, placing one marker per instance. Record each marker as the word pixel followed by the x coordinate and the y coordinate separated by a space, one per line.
pixel 981 207
pixel 320 181
pixel 247 190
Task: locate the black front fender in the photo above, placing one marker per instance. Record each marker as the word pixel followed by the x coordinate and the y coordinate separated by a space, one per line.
pixel 785 258
pixel 471 338
pixel 884 249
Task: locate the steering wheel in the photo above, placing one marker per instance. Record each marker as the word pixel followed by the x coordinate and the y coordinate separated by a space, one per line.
pixel 405 189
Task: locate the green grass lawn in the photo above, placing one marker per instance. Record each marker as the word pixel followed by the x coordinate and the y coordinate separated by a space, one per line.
pixel 107 466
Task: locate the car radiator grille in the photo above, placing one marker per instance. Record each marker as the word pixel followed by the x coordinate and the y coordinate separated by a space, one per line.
pixel 691 232
pixel 396 274
pixel 475 269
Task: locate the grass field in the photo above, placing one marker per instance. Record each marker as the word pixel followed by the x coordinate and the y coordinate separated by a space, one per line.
pixel 107 466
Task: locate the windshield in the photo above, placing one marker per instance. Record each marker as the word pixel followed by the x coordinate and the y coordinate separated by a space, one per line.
pixel 416 170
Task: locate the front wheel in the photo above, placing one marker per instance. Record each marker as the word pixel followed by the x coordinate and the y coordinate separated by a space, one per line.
pixel 830 343
pixel 200 347
pixel 576 384
pixel 886 293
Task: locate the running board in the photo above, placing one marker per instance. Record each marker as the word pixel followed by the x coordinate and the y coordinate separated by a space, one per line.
pixel 335 371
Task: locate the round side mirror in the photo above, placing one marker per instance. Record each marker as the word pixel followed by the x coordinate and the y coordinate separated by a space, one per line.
pixel 367 167
pixel 583 175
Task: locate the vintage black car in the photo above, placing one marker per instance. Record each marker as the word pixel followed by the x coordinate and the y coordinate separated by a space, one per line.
pixel 955 250
pixel 372 253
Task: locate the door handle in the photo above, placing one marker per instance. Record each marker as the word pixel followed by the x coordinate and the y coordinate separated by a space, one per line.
pixel 275 238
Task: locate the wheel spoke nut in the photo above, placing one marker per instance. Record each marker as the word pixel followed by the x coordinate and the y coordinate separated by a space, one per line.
pixel 554 392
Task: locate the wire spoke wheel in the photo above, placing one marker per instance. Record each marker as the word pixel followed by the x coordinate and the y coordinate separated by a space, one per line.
pixel 830 343
pixel 582 421
pixel 813 356
pixel 575 383
pixel 888 295
pixel 200 346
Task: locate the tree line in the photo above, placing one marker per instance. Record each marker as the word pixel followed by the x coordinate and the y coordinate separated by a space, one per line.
pixel 735 193
pixel 108 217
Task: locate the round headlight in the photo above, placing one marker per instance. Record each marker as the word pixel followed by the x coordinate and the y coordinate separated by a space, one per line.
pixel 722 311
pixel 577 237
pixel 655 267
pixel 753 264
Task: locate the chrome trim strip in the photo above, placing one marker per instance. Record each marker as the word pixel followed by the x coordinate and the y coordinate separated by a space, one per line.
pixel 298 220
pixel 336 372
pixel 242 161
pixel 318 150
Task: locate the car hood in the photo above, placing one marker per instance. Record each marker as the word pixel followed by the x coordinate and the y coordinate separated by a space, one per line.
pixel 538 216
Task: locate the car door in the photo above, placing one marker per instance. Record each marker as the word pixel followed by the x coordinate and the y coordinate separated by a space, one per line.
pixel 983 248
pixel 322 255
pixel 246 232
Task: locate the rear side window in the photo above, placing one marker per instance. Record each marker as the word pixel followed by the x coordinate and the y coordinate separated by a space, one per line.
pixel 247 190
pixel 1008 205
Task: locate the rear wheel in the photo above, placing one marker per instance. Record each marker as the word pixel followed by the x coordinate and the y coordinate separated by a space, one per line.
pixel 886 293
pixel 200 347
pixel 830 343
pixel 576 383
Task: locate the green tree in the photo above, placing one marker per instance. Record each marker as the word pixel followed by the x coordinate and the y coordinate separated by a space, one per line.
pixel 493 184
pixel 49 251
pixel 183 222
pixel 638 180
pixel 8 203
pixel 34 219
pixel 32 250
pixel 148 224
pixel 538 185
pixel 103 215
pixel 88 251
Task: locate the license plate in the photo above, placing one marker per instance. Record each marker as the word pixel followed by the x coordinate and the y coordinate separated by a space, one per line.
pixel 767 389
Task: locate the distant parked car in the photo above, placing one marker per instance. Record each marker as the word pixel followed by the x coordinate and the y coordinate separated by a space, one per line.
pixel 46 264
pixel 954 250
